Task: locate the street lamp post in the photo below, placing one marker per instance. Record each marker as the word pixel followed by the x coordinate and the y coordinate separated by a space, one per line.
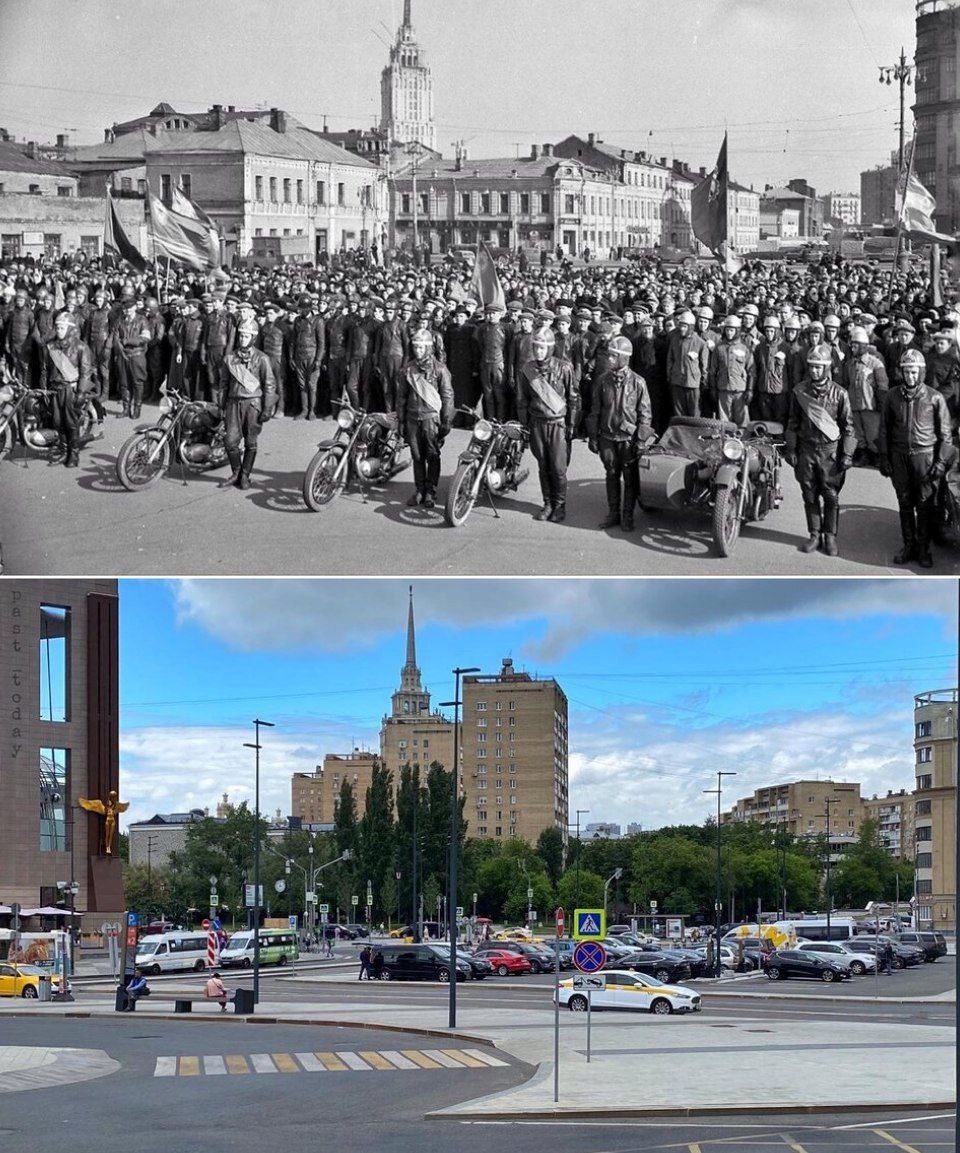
pixel 257 726
pixel 576 887
pixel 718 901
pixel 901 72
pixel 826 805
pixel 614 876
pixel 454 841
pixel 397 877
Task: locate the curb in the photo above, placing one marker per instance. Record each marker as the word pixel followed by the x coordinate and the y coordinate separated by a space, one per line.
pixel 824 997
pixel 574 1113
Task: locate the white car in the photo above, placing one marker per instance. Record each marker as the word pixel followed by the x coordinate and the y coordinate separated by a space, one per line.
pixel 857 963
pixel 620 989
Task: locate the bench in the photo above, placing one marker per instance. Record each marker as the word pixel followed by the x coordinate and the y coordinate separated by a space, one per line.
pixel 241 999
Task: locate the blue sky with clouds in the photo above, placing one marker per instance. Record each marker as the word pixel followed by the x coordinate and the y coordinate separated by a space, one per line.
pixel 667 680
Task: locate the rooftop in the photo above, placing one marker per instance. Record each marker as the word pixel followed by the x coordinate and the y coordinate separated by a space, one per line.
pixel 13 158
pixel 248 136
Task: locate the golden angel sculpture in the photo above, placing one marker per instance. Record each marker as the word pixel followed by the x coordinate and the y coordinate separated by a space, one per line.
pixel 109 812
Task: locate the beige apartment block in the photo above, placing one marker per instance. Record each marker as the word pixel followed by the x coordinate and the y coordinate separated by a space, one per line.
pixel 314 796
pixel 800 807
pixel 935 800
pixel 894 817
pixel 514 755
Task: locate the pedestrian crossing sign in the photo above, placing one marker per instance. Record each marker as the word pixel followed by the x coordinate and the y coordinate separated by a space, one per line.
pixel 589 924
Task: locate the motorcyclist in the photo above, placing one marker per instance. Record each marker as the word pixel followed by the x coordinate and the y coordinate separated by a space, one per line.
pixel 547 399
pixel 864 377
pixel 619 421
pixel 66 369
pixel 913 442
pixel 424 414
pixel 248 397
pixel 820 443
pixel 772 395
pixel 732 374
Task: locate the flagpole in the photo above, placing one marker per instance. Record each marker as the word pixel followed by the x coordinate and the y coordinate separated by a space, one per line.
pixel 903 201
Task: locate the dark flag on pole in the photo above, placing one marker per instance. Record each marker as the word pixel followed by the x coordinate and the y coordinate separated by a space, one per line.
pixel 485 283
pixel 708 204
pixel 116 243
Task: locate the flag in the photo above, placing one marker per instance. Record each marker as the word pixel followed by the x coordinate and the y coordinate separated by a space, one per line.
pixel 174 239
pixel 485 283
pixel 708 204
pixel 116 243
pixel 915 208
pixel 194 220
pixel 731 262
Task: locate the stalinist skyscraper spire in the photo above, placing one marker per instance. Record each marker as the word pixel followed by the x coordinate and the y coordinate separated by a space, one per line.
pixel 406 90
pixel 411 699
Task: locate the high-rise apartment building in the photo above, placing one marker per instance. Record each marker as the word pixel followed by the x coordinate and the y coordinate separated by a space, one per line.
pixel 937 110
pixel 314 796
pixel 406 90
pixel 894 818
pixel 800 808
pixel 514 755
pixel 935 801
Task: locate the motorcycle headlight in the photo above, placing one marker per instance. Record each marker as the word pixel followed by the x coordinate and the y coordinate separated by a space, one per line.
pixel 733 449
pixel 166 404
pixel 483 430
pixel 345 418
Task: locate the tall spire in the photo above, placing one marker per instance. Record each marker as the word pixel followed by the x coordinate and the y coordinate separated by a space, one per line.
pixel 406 14
pixel 411 699
pixel 411 640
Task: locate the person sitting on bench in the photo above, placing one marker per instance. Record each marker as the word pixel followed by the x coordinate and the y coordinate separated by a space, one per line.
pixel 216 990
pixel 136 989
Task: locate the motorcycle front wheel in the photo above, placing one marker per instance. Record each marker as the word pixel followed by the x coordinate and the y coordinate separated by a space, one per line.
pixel 460 494
pixel 726 521
pixel 135 468
pixel 319 484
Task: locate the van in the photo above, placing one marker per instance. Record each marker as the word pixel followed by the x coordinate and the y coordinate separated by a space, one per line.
pixel 277 947
pixel 815 928
pixel 420 963
pixel 169 952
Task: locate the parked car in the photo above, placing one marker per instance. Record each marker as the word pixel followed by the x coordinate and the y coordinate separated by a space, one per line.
pixel 620 989
pixel 506 963
pixel 857 962
pixel 615 947
pixel 566 949
pixel 934 945
pixel 24 981
pixel 794 963
pixel 903 955
pixel 480 966
pixel 541 960
pixel 358 930
pixel 420 963
pixel 656 965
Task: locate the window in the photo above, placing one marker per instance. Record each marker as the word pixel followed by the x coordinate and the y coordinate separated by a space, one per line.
pixel 544 201
pixel 258 188
pixel 286 232
pixel 90 245
pixel 568 205
pixel 53 799
pixel 186 184
pixel 525 202
pixel 286 190
pixel 504 203
pixel 54 666
pixel 924 782
pixel 484 203
pixel 924 833
pixel 924 728
pixel 482 723
pixel 273 190
pixel 465 203
pixel 299 192
pixel 64 190
pixel 405 203
pixel 924 888
pixel 341 194
pixel 321 192
pixel 424 203
pixel 481 706
pixel 923 808
pixel 34 189
pixel 924 860
pixel 924 754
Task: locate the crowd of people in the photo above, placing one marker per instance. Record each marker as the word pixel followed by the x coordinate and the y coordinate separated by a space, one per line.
pixel 607 353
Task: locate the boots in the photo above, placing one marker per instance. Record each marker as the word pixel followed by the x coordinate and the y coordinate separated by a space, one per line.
pixel 249 456
pixel 812 543
pixel 544 513
pixel 73 457
pixel 924 556
pixel 233 456
pixel 429 500
pixel 414 498
pixel 831 522
pixel 908 530
pixel 559 513
pixel 612 519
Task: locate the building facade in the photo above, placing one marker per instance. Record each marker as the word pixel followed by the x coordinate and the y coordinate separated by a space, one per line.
pixel 841 208
pixel 878 189
pixel 937 108
pixel 798 195
pixel 406 90
pixel 59 665
pixel 152 841
pixel 894 815
pixel 935 801
pixel 314 796
pixel 743 218
pixel 800 808
pixel 780 223
pixel 514 755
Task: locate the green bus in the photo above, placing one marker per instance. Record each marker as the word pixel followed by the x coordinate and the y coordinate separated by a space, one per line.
pixel 277 947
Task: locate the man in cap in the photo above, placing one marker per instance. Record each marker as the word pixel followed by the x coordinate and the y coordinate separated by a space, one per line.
pixel 272 342
pixel 391 348
pixel 914 440
pixel 732 374
pixel 307 346
pixel 688 362
pixel 772 390
pixel 217 339
pixel 820 443
pixel 66 369
pixel 156 360
pixel 749 319
pixel 519 351
pixel 831 339
pixel 424 414
pixel 249 397
pixel 865 379
pixel 337 328
pixel 943 370
pixel 131 338
pixel 491 340
pixel 547 405
pixel 462 359
pixel 18 336
pixel 902 337
pixel 618 424
pixel 96 335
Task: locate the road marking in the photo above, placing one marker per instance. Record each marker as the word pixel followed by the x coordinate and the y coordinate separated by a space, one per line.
pixel 237 1064
pixel 693 1147
pixel 354 1061
pixel 398 1059
pixel 792 1144
pixel 285 1063
pixel 331 1062
pixel 377 1060
pixel 261 1063
pixel 214 1065
pixel 898 1121
pixel 464 1058
pixel 893 1141
pixel 310 1063
pixel 189 1067
pixel 486 1058
pixel 166 1067
pixel 421 1059
pixel 441 1057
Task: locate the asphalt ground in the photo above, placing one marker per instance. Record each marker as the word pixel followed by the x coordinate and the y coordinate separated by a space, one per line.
pixel 61 522
pixel 364 1110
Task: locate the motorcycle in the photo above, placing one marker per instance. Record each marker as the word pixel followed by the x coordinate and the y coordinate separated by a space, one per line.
pixel 711 464
pixel 25 416
pixel 367 446
pixel 190 431
pixel 489 464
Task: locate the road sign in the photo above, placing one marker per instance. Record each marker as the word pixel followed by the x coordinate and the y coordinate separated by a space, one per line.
pixel 311 898
pixel 459 911
pixel 280 885
pixel 250 896
pixel 205 923
pixel 292 920
pixel 653 906
pixel 354 900
pixel 559 918
pixel 216 924
pixel 584 981
pixel 589 956
pixel 589 924
pixel 211 949
pixel 324 908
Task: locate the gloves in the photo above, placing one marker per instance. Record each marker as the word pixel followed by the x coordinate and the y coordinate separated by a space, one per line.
pixel 592 445
pixel 444 431
pixel 937 470
pixel 884 466
pixel 845 463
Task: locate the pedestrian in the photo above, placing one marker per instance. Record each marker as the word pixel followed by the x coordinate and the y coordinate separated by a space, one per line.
pixel 216 990
pixel 364 963
pixel 376 966
pixel 136 988
pixel 888 957
pixel 248 397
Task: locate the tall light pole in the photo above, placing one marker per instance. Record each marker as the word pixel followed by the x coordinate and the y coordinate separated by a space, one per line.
pixel 718 900
pixel 257 726
pixel 576 887
pixel 454 841
pixel 614 876
pixel 828 801
pixel 902 72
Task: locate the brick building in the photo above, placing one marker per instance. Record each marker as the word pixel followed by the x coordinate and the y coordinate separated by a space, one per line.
pixel 935 807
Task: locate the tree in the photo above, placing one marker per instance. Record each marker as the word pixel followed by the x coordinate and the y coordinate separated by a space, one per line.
pixel 550 852
pixel 387 902
pixel 515 908
pixel 590 890
pixel 345 820
pixel 375 835
pixel 409 802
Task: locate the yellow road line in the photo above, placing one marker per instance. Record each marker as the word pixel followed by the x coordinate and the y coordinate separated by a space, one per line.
pixel 377 1060
pixel 331 1062
pixel 893 1141
pixel 792 1144
pixel 285 1063
pixel 419 1059
pixel 464 1058
pixel 189 1067
pixel 693 1147
pixel 237 1064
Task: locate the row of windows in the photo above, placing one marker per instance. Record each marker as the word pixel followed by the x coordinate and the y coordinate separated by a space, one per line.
pixel 499 768
pixel 497 832
pixel 482 706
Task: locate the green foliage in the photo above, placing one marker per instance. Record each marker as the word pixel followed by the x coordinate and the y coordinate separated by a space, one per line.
pixel 587 894
pixel 550 852
pixel 542 902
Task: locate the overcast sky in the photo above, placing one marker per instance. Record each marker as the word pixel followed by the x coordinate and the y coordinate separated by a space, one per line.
pixel 796 83
pixel 667 681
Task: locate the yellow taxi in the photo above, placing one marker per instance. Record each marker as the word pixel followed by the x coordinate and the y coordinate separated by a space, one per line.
pixel 23 980
pixel 518 934
pixel 621 989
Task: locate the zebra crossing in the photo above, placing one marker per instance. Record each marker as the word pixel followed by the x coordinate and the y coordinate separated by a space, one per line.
pixel 332 1061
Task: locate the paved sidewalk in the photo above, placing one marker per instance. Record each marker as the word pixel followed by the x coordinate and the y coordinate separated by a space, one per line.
pixel 29 1067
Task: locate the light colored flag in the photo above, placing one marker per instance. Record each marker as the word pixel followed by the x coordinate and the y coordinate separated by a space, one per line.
pixel 915 208
pixel 195 221
pixel 175 241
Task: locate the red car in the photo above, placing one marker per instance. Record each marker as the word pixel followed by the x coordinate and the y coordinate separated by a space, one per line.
pixel 505 962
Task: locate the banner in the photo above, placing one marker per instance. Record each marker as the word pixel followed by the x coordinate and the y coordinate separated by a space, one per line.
pixel 116 243
pixel 485 283
pixel 915 209
pixel 708 204
pixel 177 239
